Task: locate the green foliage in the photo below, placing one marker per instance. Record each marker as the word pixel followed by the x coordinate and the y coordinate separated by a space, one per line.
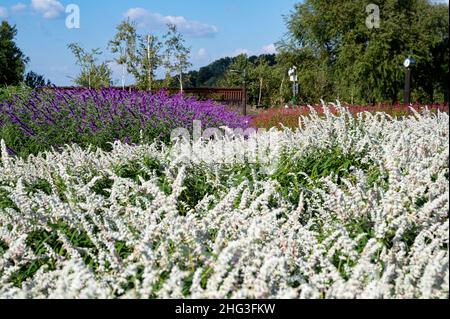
pixel 196 187
pixel 138 54
pixel 39 185
pixel 7 92
pixel 12 60
pixel 147 60
pixel 37 241
pixel 34 80
pixel 210 75
pixel 339 56
pixel 93 75
pixel 296 173
pixel 5 201
pixel 234 74
pixel 97 76
pixel 176 54
pixel 124 44
pixel 265 78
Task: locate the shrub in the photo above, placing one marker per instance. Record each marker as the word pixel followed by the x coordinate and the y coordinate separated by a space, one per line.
pixel 342 208
pixel 52 118
pixel 278 117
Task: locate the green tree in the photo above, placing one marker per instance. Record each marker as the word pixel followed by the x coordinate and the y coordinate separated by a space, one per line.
pixel 35 80
pixel 431 76
pixel 147 60
pixel 12 60
pixel 264 78
pixel 92 75
pixel 99 75
pixel 176 54
pixel 233 75
pixel 125 44
pixel 263 74
pixel 361 64
pixel 210 75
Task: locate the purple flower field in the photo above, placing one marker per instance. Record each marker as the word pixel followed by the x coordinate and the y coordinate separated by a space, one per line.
pixel 55 117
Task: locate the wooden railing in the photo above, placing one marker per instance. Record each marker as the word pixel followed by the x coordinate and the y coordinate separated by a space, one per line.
pixel 222 95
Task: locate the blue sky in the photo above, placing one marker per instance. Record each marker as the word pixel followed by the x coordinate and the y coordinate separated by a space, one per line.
pixel 212 28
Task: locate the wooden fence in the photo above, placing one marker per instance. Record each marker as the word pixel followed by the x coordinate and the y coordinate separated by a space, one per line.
pixel 231 96
pixel 223 95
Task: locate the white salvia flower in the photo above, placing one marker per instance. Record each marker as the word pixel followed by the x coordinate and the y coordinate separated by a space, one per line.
pixel 248 225
pixel 5 158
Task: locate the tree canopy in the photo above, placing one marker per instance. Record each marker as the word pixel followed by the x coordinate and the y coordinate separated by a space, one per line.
pixel 93 74
pixel 12 60
pixel 339 56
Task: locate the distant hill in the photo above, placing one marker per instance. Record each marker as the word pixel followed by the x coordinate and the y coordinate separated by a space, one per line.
pixel 210 75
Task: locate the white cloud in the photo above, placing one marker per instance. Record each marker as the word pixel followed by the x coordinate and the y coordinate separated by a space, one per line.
pixel 191 28
pixel 439 1
pixel 266 49
pixel 137 14
pixel 240 51
pixel 3 12
pixel 19 7
pixel 201 55
pixel 269 49
pixel 60 69
pixel 49 9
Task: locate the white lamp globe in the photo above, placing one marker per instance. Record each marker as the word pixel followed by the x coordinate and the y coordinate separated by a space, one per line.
pixel 409 62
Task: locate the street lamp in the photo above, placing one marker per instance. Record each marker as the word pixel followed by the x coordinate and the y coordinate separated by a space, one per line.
pixel 408 64
pixel 293 78
pixel 244 89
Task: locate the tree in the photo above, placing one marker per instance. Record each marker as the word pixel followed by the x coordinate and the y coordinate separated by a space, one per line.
pixel 147 61
pixel 263 78
pixel 35 80
pixel 124 43
pixel 354 62
pixel 234 74
pixel 431 76
pixel 92 75
pixel 176 54
pixel 210 75
pixel 12 60
pixel 99 75
pixel 263 74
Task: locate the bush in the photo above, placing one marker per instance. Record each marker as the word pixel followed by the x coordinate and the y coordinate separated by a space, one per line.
pixel 54 117
pixel 278 117
pixel 343 208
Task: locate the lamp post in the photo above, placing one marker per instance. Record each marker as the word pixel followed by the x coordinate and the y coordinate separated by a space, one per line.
pixel 408 63
pixel 244 90
pixel 293 77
